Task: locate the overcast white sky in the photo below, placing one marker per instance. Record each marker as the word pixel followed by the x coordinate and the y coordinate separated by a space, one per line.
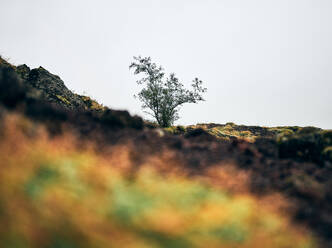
pixel 264 62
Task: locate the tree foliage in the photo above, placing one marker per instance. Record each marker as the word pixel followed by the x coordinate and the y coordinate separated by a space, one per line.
pixel 163 96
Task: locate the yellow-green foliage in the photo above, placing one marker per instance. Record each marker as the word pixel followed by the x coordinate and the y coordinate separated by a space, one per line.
pixel 282 134
pixel 232 131
pixel 63 99
pixel 92 104
pixel 286 129
pixel 53 195
pixel 282 131
pixel 327 152
pixel 170 129
pixel 176 129
pixel 227 132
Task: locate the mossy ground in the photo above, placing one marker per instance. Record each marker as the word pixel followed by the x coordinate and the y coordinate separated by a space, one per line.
pixel 91 104
pixel 231 131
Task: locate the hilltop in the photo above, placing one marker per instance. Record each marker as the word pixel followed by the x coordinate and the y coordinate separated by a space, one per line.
pixel 227 167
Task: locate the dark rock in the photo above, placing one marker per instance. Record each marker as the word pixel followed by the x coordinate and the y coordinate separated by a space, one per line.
pixel 23 71
pixel 53 88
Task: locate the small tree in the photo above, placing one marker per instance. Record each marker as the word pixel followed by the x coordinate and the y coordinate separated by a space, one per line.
pixel 162 96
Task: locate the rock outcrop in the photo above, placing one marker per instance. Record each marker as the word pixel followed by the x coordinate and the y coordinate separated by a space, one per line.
pixel 52 86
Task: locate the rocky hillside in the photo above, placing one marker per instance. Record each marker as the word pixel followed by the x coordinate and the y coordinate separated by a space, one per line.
pixel 53 88
pixel 96 177
pixel 38 88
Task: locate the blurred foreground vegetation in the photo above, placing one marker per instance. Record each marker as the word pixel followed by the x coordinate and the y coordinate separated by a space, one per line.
pixel 54 193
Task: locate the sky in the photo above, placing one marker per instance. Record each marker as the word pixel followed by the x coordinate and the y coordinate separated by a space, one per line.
pixel 264 62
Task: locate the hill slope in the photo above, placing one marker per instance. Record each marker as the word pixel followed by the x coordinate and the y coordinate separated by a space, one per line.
pixel 207 185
